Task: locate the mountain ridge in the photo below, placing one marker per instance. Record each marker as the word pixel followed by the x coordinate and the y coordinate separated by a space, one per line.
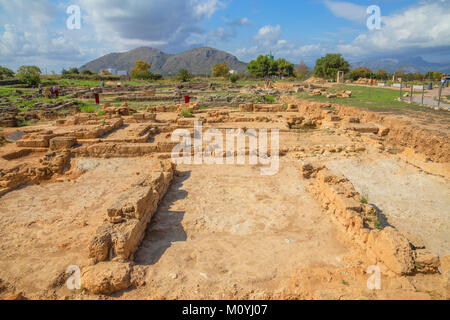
pixel 198 60
pixel 409 65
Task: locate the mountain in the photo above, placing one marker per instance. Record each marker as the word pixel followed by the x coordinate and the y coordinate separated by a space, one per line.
pixel 409 65
pixel 197 61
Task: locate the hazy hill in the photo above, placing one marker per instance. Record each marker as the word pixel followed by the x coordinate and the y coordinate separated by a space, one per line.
pixel 409 65
pixel 197 61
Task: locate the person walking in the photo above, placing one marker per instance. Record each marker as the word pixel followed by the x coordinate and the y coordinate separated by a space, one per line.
pixel 103 83
pixel 40 89
pixel 444 80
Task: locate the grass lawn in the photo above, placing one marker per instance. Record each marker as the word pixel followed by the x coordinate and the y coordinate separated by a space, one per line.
pixel 367 97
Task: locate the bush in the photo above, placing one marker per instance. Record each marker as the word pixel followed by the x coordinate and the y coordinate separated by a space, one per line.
pixel 87 72
pixel 6 73
pixel 184 75
pixel 269 99
pixel 234 78
pixel 221 70
pixel 31 75
pixel 88 108
pixel 186 113
pixel 361 73
pixel 327 67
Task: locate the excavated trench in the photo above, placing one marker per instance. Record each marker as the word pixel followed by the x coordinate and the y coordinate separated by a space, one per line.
pixel 222 226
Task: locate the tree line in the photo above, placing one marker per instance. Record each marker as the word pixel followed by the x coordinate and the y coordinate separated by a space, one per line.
pixel 327 68
pixel 263 66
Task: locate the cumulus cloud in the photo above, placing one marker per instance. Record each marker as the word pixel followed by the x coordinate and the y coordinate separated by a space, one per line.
pixel 419 29
pixel 35 30
pixel 268 39
pixel 28 35
pixel 165 23
pixel 268 35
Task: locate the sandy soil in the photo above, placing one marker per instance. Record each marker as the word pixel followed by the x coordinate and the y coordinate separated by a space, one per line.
pixel 412 201
pixel 43 230
pixel 222 229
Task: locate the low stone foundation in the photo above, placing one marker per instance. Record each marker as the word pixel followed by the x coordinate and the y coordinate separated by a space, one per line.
pixel 387 247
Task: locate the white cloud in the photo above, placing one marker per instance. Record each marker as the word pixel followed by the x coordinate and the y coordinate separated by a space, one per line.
pixel 35 30
pixel 28 35
pixel 268 35
pixel 419 29
pixel 166 22
pixel 347 10
pixel 240 22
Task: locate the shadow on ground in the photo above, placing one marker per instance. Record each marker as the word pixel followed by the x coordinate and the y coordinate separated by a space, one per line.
pixel 165 227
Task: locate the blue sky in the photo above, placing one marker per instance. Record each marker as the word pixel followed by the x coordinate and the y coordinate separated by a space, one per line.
pixel 35 32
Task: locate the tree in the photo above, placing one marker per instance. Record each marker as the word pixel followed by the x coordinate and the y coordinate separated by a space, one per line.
pixel 221 70
pixel 437 76
pixel 381 74
pixel 285 68
pixel 429 75
pixel 361 72
pixel 399 73
pixel 141 70
pixel 6 73
pixel 261 67
pixel 105 72
pixel 184 75
pixel 87 72
pixel 418 76
pixel 328 66
pixel 74 71
pixel 31 75
pixel 301 70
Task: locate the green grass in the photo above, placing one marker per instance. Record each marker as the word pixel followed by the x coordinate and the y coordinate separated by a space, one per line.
pixel 364 200
pixel 367 97
pixel 378 225
pixel 269 99
pixel 87 107
pixel 186 113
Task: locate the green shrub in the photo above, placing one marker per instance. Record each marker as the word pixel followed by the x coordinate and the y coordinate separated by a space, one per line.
pixel 186 113
pixel 88 108
pixel 184 75
pixel 269 99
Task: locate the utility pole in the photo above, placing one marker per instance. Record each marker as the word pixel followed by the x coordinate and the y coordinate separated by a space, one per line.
pixel 423 92
pixel 440 92
pixel 412 92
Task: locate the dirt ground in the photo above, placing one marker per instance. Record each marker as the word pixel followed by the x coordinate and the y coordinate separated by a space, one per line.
pixel 411 200
pixel 46 228
pixel 111 202
pixel 221 227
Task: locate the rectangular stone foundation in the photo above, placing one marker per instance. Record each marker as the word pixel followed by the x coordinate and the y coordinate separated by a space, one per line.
pixel 119 238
